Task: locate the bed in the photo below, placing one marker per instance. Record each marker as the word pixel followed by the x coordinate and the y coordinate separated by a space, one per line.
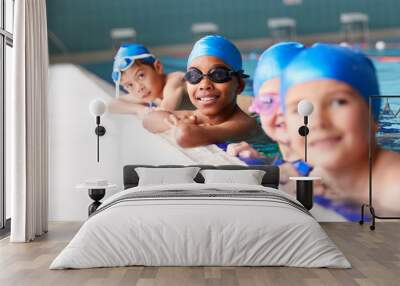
pixel 201 224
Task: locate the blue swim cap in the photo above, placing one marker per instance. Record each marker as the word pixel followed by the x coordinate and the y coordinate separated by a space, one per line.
pixel 219 47
pixel 328 61
pixel 132 50
pixel 273 61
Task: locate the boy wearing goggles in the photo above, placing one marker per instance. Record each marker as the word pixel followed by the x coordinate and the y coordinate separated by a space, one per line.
pixel 142 76
pixel 338 81
pixel 214 78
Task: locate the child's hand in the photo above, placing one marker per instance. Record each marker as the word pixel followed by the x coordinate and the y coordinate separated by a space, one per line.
pixel 174 122
pixel 182 128
pixel 287 170
pixel 192 119
pixel 243 149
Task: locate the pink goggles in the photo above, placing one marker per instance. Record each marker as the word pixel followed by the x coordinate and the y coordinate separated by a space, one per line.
pixel 265 103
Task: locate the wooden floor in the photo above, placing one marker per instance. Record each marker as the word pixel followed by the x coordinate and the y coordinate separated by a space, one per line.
pixel 374 255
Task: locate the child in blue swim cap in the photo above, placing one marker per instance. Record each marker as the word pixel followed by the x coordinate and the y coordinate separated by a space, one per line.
pixel 214 78
pixel 338 81
pixel 141 74
pixel 266 86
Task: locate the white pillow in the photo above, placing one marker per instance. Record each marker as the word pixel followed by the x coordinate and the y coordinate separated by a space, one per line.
pixel 248 177
pixel 164 176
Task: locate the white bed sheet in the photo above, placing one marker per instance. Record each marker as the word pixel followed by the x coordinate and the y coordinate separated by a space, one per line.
pixel 200 231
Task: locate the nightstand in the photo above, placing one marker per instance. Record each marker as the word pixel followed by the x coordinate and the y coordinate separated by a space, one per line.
pixel 304 190
pixel 96 193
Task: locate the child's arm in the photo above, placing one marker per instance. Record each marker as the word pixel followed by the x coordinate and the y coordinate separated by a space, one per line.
pixel 156 121
pixel 173 91
pixel 119 106
pixel 188 134
pixel 191 135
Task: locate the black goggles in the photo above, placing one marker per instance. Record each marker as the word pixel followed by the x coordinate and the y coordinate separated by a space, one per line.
pixel 218 75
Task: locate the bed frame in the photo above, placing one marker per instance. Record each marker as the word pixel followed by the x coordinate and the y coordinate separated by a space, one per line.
pixel 270 179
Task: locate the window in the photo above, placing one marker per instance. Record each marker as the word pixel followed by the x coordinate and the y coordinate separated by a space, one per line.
pixel 6 44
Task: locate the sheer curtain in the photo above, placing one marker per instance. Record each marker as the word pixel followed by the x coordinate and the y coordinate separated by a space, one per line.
pixel 27 121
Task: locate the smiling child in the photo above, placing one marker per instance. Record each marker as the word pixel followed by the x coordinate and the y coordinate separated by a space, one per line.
pixel 143 77
pixel 214 78
pixel 338 81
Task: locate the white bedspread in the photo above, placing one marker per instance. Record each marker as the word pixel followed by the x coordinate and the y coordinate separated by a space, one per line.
pixel 181 231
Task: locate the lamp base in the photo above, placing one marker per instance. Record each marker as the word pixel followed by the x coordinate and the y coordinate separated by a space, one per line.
pixel 96 195
pixel 100 130
pixel 304 193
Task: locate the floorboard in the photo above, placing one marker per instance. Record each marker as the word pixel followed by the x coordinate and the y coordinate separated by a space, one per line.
pixel 374 255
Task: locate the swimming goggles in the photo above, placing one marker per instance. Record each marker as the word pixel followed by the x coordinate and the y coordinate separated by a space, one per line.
pixel 265 103
pixel 124 63
pixel 217 75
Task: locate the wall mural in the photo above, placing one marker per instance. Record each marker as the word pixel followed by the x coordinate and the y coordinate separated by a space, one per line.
pixel 209 98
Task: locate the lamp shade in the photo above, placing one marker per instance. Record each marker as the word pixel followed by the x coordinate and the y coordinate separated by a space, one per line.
pixel 305 107
pixel 97 107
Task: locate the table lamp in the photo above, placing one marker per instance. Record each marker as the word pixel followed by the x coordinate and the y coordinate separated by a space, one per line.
pixel 305 108
pixel 97 108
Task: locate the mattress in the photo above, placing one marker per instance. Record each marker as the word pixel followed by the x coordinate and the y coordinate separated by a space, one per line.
pixel 201 225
